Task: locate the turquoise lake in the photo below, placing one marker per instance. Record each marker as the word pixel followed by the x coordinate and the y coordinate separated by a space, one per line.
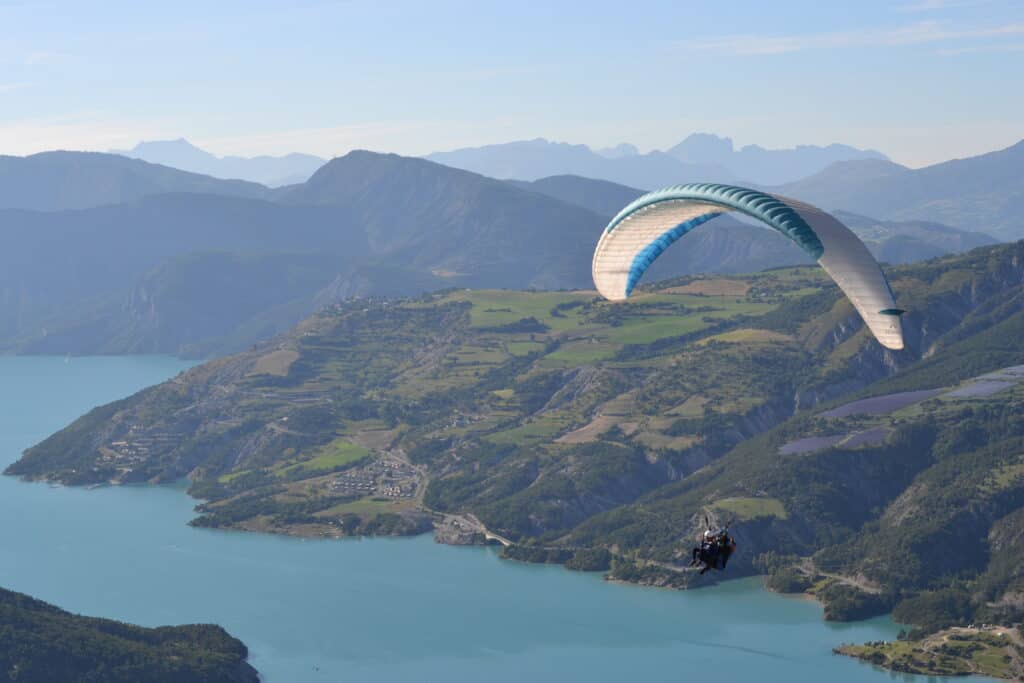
pixel 372 610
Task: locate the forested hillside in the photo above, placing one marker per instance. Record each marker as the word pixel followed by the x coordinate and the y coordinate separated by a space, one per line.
pixel 601 435
pixel 40 643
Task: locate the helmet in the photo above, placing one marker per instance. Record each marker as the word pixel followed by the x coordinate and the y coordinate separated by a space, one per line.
pixel 708 534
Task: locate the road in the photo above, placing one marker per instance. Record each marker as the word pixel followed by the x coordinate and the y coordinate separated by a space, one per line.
pixel 471 522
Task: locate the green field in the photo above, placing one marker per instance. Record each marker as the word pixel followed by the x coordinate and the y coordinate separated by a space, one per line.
pixel 542 429
pixel 472 355
pixel 231 476
pixel 580 353
pixel 748 336
pixel 493 308
pixel 336 454
pixel 523 348
pixel 751 508
pixel 366 506
pixel 1004 477
pixel 647 330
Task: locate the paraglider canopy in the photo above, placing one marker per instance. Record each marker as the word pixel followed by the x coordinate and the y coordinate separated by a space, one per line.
pixel 650 224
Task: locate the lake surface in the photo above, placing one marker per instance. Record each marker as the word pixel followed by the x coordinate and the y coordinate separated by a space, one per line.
pixel 395 610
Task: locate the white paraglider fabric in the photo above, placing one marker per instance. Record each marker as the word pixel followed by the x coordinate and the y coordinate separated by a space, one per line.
pixel 636 237
pixel 613 267
pixel 854 269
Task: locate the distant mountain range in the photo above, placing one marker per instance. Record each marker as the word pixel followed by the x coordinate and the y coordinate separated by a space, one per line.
pixel 700 157
pixel 272 171
pixel 535 159
pixel 202 274
pixel 766 166
pixel 105 254
pixel 983 193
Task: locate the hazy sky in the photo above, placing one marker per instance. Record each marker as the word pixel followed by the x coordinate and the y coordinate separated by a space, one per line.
pixel 922 80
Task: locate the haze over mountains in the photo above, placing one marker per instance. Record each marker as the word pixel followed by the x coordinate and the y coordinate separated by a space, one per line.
pixel 535 159
pixel 55 181
pixel 766 166
pixel 268 170
pixel 700 157
pixel 983 193
pixel 110 255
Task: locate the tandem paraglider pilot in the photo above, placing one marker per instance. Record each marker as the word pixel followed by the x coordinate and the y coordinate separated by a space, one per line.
pixel 714 550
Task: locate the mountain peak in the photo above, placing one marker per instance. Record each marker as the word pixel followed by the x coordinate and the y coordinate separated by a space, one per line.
pixel 623 149
pixel 179 153
pixel 766 166
pixel 177 143
pixel 703 148
pixel 344 177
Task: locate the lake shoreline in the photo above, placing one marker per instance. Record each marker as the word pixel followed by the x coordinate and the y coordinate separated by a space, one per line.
pixel 379 611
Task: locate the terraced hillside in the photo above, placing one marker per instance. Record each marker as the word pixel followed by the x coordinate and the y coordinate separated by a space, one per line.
pixel 600 434
pixel 292 436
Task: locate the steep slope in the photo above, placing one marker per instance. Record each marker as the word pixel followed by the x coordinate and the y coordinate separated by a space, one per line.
pixel 982 193
pixel 267 170
pixel 893 497
pixel 40 643
pixel 54 181
pixel 196 305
